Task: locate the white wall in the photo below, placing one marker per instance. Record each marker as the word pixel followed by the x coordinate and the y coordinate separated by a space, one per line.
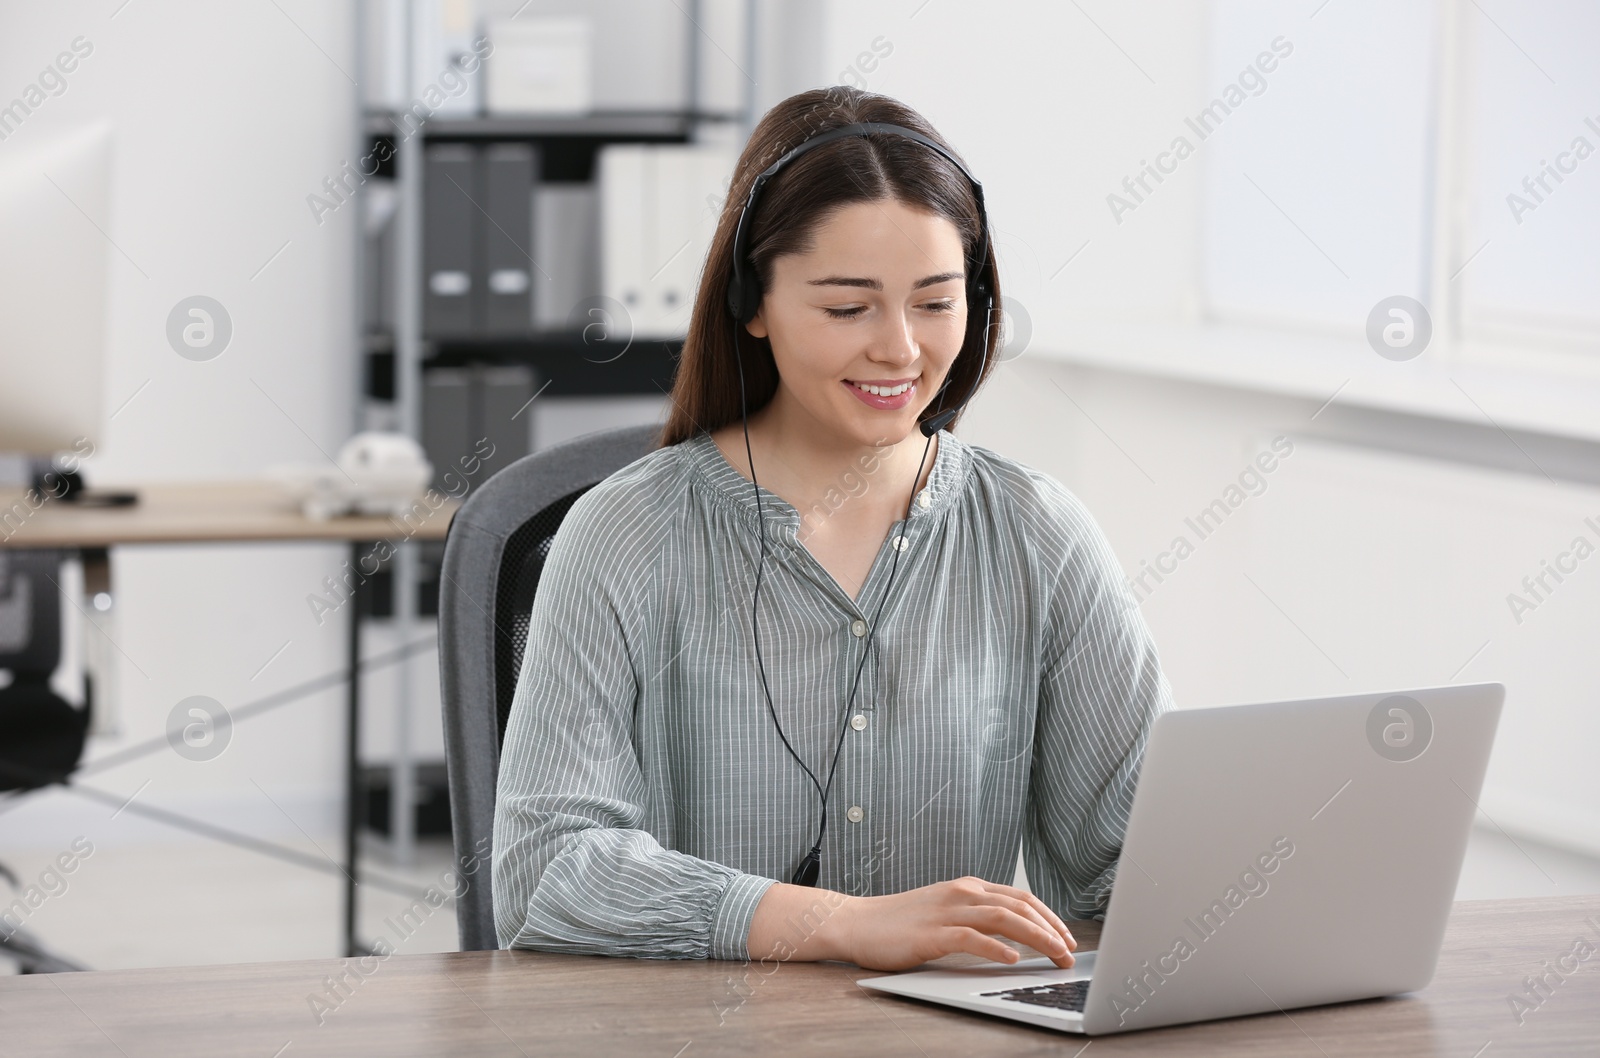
pixel 225 117
pixel 1051 116
pixel 1397 569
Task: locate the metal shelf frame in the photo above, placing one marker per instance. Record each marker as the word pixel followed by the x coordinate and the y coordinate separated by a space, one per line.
pixel 572 366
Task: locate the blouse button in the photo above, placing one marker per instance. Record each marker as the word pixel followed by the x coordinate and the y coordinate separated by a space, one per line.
pixel 855 815
pixel 923 500
pixel 859 721
pixel 901 543
pixel 858 628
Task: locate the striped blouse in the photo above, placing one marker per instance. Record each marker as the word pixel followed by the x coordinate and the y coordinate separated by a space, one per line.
pixel 645 800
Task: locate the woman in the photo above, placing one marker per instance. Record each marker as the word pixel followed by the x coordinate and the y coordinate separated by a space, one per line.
pixel 879 699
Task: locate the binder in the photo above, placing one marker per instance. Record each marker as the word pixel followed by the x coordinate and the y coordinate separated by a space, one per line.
pixel 449 292
pixel 658 210
pixel 565 239
pixel 480 416
pixel 378 229
pixel 623 229
pixel 508 266
pixel 505 412
pixel 689 184
pixel 446 421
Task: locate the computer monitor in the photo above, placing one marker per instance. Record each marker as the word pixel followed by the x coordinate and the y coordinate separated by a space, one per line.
pixel 54 259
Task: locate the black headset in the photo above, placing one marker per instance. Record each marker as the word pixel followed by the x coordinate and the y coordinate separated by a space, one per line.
pixel 744 299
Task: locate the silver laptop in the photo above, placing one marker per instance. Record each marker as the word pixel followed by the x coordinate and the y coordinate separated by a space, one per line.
pixel 1277 856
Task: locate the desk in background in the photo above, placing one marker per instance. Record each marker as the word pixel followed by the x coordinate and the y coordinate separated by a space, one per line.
pixel 529 1003
pixel 237 512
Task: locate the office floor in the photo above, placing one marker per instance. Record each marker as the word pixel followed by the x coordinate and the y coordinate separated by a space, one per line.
pixel 190 903
pixel 201 902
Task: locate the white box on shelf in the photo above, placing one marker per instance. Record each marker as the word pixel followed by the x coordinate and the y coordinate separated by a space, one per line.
pixel 446 76
pixel 540 66
pixel 640 60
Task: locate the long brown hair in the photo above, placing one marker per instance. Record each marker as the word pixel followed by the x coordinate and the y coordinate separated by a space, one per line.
pixel 705 390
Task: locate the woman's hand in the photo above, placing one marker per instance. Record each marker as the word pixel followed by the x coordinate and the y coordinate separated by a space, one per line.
pixel 902 930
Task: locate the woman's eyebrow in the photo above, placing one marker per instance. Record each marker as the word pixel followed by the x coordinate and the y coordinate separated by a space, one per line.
pixel 874 284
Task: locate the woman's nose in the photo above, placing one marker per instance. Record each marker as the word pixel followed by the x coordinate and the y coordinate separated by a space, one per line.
pixel 896 344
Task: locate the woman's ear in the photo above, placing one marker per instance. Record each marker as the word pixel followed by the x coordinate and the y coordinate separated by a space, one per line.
pixel 757 325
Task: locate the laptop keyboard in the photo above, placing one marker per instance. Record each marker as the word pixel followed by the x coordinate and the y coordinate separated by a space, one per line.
pixel 1066 995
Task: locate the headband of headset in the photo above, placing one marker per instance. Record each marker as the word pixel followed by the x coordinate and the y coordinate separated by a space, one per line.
pixel 744 289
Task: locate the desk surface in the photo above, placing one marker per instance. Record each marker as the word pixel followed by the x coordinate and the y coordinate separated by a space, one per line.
pixel 528 1003
pixel 202 512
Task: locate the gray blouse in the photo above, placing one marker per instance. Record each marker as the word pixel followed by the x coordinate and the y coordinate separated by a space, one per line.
pixel 645 800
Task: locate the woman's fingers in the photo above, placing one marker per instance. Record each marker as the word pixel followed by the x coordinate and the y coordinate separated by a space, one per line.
pixel 966 915
pixel 1054 920
pixel 1042 936
pixel 993 918
pixel 1052 943
pixel 1030 907
pixel 967 939
pixel 1024 921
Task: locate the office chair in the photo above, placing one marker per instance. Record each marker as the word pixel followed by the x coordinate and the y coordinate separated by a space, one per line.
pixel 493 556
pixel 41 733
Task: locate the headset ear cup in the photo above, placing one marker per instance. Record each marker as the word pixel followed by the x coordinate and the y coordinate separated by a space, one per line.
pixel 741 304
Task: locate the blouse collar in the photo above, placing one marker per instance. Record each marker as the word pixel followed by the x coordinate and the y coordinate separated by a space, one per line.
pixel 950 466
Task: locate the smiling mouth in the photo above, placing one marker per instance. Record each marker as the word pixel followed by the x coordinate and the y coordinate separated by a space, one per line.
pixel 884 391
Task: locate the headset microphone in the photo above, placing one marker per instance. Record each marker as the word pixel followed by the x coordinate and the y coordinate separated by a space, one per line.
pixel 743 301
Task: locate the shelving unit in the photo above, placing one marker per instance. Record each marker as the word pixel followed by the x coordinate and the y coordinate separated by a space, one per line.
pixel 397 354
pixel 570 361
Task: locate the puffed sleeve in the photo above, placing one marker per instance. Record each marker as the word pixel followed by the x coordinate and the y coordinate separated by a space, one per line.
pixel 1101 688
pixel 573 868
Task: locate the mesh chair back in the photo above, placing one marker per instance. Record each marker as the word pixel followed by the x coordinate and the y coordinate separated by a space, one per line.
pixel 493 556
pixel 30 613
pixel 41 733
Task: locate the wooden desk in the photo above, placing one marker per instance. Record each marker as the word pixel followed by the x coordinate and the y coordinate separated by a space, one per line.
pixel 510 1003
pixel 232 512
pixel 202 513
